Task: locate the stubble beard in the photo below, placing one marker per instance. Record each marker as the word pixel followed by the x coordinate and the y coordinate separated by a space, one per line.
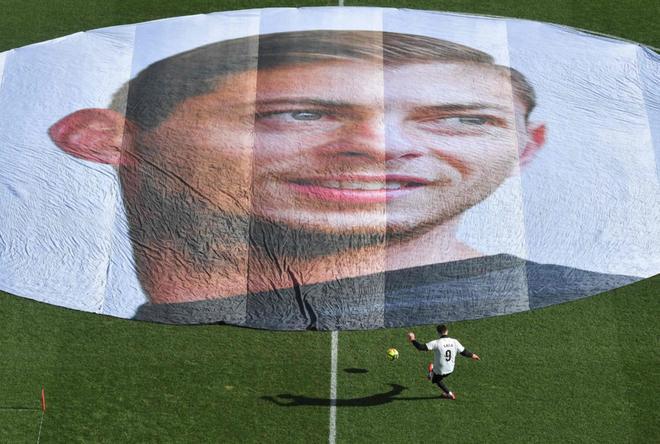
pixel 168 214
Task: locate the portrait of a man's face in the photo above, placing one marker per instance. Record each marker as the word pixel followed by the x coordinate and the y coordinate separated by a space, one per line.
pixel 319 179
pixel 333 146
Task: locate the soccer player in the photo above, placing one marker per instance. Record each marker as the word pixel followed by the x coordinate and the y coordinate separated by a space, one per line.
pixel 445 350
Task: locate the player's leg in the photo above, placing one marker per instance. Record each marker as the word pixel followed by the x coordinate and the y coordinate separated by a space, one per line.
pixel 438 380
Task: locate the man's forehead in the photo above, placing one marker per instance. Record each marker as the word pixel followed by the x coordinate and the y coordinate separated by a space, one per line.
pixel 448 83
pixel 369 81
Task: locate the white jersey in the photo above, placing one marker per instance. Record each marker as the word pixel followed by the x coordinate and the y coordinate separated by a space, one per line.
pixel 445 350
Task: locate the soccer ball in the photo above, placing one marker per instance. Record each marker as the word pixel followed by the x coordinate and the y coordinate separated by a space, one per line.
pixel 392 354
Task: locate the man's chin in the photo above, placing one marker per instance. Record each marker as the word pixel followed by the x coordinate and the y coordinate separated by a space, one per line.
pixel 345 227
pixel 342 223
pixel 309 239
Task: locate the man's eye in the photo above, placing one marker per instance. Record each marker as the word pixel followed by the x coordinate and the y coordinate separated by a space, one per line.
pixel 464 120
pixel 306 115
pixel 297 116
pixel 472 120
pixel 462 124
pixel 456 121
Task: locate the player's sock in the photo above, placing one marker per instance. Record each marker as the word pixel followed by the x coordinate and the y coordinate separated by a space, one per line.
pixel 430 375
pixel 443 387
pixel 451 395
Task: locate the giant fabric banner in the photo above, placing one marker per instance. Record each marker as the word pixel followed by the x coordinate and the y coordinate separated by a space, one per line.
pixel 327 168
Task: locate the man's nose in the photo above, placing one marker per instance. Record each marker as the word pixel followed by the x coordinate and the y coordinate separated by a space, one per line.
pixel 397 142
pixel 382 137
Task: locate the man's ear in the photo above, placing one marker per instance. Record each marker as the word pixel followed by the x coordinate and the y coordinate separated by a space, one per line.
pixel 536 133
pixel 93 134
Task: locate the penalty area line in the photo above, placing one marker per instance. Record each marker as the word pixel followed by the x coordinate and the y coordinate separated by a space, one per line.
pixel 332 433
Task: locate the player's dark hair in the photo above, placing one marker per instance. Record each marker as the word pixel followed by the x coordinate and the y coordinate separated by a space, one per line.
pixel 150 97
pixel 442 329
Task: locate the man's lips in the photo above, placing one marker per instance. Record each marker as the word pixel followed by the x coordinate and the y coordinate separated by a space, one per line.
pixel 358 189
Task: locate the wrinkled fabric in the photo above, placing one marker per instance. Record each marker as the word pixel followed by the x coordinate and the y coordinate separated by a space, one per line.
pixel 331 186
pixel 471 289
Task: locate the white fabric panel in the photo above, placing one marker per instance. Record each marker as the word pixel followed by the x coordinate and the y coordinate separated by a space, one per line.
pixel 302 19
pixel 3 57
pixel 58 211
pixel 602 210
pixel 589 200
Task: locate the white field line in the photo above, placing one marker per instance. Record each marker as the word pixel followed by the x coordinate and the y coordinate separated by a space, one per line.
pixel 40 424
pixel 21 408
pixel 332 435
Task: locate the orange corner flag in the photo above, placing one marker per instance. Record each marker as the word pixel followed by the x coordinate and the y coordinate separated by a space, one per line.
pixel 43 400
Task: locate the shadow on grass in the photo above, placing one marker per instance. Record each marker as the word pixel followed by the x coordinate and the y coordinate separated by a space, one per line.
pixel 289 400
pixel 356 370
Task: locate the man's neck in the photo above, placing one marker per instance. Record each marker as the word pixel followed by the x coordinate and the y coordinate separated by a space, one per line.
pixel 253 270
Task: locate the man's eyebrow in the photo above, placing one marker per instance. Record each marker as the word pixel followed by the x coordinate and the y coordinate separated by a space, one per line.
pixel 444 107
pixel 461 107
pixel 293 101
pixel 303 101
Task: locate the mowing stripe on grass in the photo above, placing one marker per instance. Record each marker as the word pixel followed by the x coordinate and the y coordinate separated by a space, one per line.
pixel 332 434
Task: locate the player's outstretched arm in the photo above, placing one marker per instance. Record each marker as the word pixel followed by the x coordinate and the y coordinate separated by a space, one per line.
pixel 468 354
pixel 413 341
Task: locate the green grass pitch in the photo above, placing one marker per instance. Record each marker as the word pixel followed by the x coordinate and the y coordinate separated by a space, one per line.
pixel 586 371
pixel 580 372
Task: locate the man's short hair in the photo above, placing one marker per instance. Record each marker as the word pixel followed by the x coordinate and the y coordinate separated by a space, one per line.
pixel 149 98
pixel 442 329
